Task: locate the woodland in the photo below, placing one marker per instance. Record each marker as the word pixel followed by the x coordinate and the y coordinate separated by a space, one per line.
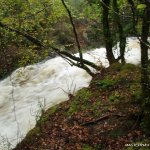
pixel 113 112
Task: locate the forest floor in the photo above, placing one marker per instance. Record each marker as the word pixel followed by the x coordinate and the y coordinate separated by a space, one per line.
pixel 104 116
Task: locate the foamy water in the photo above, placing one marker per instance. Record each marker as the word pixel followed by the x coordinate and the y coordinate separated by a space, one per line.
pixel 40 86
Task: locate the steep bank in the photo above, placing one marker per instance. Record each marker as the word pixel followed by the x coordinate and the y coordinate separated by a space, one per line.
pixel 104 116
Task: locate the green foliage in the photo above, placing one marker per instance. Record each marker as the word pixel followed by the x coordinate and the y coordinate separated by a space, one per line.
pixel 28 57
pixel 95 35
pixel 36 18
pixel 48 21
pixel 141 6
pixel 88 11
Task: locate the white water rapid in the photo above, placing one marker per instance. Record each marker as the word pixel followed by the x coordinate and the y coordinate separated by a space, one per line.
pixel 27 90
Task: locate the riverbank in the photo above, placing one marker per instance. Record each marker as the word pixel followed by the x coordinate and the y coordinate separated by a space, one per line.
pixel 104 116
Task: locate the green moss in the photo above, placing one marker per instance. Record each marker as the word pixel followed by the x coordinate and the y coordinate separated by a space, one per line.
pixel 95 108
pixel 124 76
pixel 115 96
pixel 52 110
pixel 135 90
pixel 32 133
pixel 129 67
pixel 83 95
pixel 115 67
pixel 73 108
pixel 121 67
pixel 80 102
pixel 106 83
pixel 86 147
pixel 44 118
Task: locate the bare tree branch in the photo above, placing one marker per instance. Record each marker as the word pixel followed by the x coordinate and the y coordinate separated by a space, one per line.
pixel 75 32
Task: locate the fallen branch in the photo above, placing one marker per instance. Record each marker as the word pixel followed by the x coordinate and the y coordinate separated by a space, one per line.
pixel 96 120
pixel 101 119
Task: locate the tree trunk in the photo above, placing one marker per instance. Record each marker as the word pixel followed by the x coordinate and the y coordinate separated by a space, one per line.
pixel 144 68
pixel 107 32
pixel 122 37
pixel 144 52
